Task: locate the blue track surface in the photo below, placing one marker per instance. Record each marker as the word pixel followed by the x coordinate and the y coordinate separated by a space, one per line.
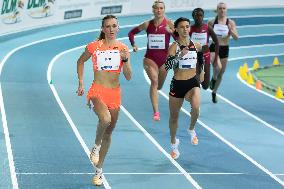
pixel 241 137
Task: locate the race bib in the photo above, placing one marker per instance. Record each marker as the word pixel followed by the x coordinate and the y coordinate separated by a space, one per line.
pixel 221 30
pixel 108 60
pixel 188 61
pixel 156 41
pixel 199 38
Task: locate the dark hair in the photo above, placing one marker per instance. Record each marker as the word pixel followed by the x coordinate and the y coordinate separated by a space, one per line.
pixel 180 19
pixel 197 10
pixel 102 34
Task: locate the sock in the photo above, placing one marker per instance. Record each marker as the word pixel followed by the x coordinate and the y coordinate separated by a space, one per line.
pixel 191 132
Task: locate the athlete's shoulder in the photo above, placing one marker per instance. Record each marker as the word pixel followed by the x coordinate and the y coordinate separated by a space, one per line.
pixel 93 45
pixel 122 45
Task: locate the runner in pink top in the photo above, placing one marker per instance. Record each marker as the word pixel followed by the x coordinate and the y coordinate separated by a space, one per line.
pixel 200 33
pixel 158 32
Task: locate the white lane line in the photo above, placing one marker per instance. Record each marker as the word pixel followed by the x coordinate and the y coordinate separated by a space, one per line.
pixel 149 136
pixel 262 35
pixel 224 140
pixel 260 91
pixel 129 173
pixel 259 16
pixel 8 142
pixel 194 183
pixel 249 114
pixel 255 46
pixel 260 25
pixel 256 56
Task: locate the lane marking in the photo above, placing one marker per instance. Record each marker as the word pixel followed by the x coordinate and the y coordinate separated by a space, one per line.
pixel 255 46
pixel 260 91
pixel 262 35
pixel 249 114
pixel 260 25
pixel 149 136
pixel 223 139
pixel 8 142
pixel 129 173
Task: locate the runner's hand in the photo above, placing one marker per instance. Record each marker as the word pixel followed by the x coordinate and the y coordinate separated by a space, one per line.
pixel 80 91
pixel 135 48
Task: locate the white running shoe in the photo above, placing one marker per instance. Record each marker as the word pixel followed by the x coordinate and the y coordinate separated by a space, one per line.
pixel 95 154
pixel 194 139
pixel 98 178
pixel 175 153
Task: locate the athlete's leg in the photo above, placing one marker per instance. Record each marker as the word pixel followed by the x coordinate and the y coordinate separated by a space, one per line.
pixel 175 106
pixel 104 118
pixel 106 139
pixel 162 76
pixel 152 71
pixel 193 96
pixel 224 62
pixel 104 121
pixel 216 70
pixel 205 83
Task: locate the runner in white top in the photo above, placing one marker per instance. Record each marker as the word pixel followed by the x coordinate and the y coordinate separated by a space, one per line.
pixel 224 29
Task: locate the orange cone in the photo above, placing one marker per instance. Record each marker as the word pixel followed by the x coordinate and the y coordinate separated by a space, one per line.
pixel 258 85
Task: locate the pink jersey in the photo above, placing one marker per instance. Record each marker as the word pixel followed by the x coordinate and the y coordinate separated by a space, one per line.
pixel 158 42
pixel 199 34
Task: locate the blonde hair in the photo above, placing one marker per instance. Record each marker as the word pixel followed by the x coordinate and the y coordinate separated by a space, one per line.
pixel 156 2
pixel 221 3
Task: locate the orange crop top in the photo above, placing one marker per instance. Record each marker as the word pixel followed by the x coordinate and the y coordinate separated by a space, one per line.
pixel 105 57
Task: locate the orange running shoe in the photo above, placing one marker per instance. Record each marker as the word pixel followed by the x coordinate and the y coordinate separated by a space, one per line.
pixel 194 139
pixel 175 153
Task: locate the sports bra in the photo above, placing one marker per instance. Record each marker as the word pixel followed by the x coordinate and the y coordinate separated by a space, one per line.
pixel 221 30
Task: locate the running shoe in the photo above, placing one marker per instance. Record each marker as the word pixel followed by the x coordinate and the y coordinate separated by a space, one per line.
pixel 98 178
pixel 212 83
pixel 95 154
pixel 175 153
pixel 156 116
pixel 214 98
pixel 193 137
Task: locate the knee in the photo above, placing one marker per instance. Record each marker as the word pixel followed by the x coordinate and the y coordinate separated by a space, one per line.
pixel 105 120
pixel 154 83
